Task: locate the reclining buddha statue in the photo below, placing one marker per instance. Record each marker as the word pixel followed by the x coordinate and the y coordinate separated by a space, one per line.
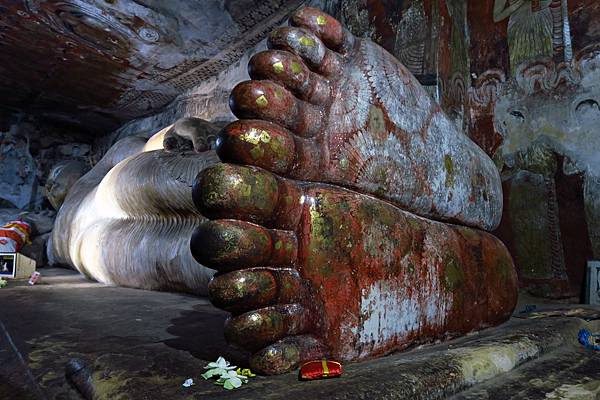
pixel 346 218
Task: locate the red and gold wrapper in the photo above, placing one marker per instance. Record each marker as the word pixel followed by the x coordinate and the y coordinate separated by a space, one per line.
pixel 13 236
pixel 321 369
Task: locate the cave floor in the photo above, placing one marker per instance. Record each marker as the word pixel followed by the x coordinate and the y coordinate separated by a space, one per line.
pixel 139 344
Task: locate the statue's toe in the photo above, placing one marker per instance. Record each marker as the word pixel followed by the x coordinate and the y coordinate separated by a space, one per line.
pixel 269 101
pixel 227 191
pixel 307 45
pixel 327 28
pixel 290 71
pixel 229 245
pixel 254 288
pixel 272 147
pixel 259 328
pixel 287 354
pixel 190 133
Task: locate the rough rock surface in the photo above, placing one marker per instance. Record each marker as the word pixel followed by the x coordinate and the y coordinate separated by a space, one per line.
pixel 29 148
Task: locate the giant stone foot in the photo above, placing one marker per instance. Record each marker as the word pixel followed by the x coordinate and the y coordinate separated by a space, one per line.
pixel 311 270
pixel 325 106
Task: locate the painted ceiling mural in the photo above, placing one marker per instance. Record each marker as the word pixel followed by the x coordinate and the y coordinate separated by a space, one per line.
pixel 100 63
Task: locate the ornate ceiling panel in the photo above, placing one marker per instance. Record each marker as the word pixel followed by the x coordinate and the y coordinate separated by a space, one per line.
pixel 98 63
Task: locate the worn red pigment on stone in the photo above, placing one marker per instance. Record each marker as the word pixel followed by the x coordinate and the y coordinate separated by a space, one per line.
pixel 372 278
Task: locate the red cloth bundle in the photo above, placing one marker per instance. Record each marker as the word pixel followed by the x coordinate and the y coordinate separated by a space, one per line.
pixel 320 370
pixel 13 236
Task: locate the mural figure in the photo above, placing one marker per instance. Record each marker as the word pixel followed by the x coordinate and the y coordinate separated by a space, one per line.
pixel 530 28
pixel 538 247
pixel 412 36
pixel 319 228
pixel 459 39
pixel 536 28
pixel 456 76
pixel 552 109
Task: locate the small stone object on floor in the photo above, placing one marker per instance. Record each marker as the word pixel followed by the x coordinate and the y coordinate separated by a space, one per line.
pixel 78 374
pixel 528 308
pixel 188 382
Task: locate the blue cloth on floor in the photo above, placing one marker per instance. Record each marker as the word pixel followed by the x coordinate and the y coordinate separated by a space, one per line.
pixel 588 340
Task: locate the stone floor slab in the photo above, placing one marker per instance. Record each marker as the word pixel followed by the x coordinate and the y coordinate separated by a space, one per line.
pixel 142 345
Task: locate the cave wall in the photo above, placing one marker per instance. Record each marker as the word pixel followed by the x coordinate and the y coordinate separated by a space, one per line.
pixel 538 89
pixel 29 149
pixel 100 63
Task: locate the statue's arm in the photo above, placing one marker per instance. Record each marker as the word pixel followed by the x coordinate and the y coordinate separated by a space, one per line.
pixel 501 11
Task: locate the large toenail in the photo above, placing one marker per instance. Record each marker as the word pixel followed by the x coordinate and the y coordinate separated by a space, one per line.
pixel 227 245
pixel 230 191
pixel 254 288
pixel 326 27
pixel 272 102
pixel 259 143
pixel 257 329
pixel 289 70
pixel 287 354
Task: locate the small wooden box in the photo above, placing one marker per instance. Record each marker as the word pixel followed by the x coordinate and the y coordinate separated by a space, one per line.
pixel 16 266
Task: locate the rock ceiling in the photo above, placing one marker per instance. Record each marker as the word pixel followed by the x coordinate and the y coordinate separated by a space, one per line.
pixel 98 63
